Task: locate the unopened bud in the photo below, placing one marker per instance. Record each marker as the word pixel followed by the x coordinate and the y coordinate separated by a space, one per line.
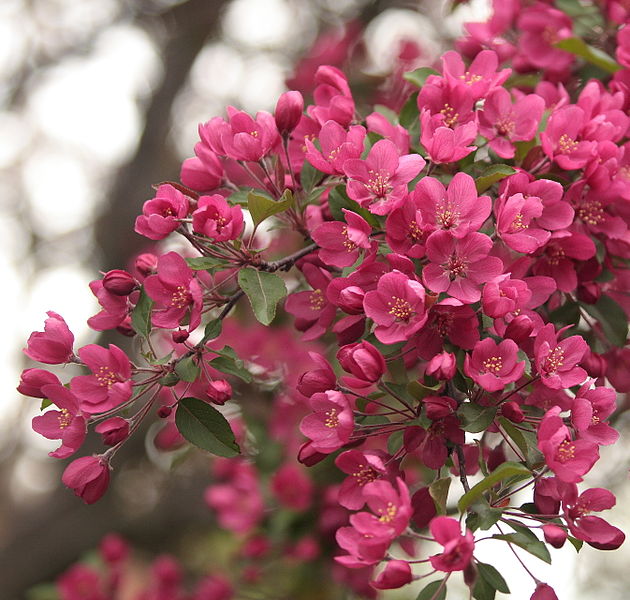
pixel 180 336
pixel 119 283
pixel 146 264
pixel 288 112
pixel 442 366
pixel 219 391
pixel 513 412
pixel 164 412
pixel 113 430
pixel 519 329
pixel 554 535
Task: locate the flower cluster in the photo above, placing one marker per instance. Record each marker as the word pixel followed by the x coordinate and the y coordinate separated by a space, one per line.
pixel 466 249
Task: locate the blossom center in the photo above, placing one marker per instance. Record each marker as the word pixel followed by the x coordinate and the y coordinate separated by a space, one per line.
pixel 494 364
pixel 364 475
pixel 378 183
pixel 517 224
pixel 555 360
pixel 400 308
pixel 470 78
pixel 567 144
pixel 450 116
pixel 446 215
pixel 566 451
pixel 348 244
pixel 505 125
pixel 591 212
pixel 180 297
pixel 64 418
pixel 317 300
pixel 332 420
pixel 456 267
pixel 105 377
pixel 387 514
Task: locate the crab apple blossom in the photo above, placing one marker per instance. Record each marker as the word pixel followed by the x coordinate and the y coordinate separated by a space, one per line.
pixel 458 548
pixel 396 574
pixel 363 361
pixel 87 477
pixel 556 361
pixel 362 468
pixel 337 146
pixel 33 381
pixel 288 111
pixel 160 215
pixel 443 144
pixel 492 365
pixel 216 219
pixel 331 424
pixel 52 346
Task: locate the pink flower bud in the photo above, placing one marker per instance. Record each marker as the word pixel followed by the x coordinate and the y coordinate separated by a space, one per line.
pixel 351 300
pixel 438 407
pixel 519 329
pixel 119 283
pixel 288 112
pixel 363 360
pixel 442 366
pixel 87 477
pixel 180 336
pixel 396 574
pixel 554 535
pixel 52 346
pixel 113 549
pixel 146 264
pixel 33 380
pixel 219 391
pixel 544 592
pixel 113 430
pixel 594 364
pixel 317 380
pixel 589 292
pixel 513 412
pixel 308 456
pixel 164 411
pixel 125 327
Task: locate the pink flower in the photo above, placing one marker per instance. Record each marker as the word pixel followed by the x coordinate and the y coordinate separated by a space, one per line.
pixel 379 183
pixel 80 582
pixel 504 123
pixel 337 146
pixel 378 123
pixel 66 424
pixel 339 242
pixel 317 380
pixel 460 266
pixel 543 591
pixel 516 222
pixel 556 362
pixel 216 219
pixel 33 381
pixel 492 365
pixel 588 413
pixel 333 99
pixel 456 209
pixel 362 468
pixel 175 292
pixel 115 308
pixel 406 229
pixel 331 424
pixel 458 548
pixel 160 215
pixel 109 385
pixel 113 430
pixel 292 487
pixel 87 477
pixel 443 144
pixel 219 391
pixel 562 141
pixel 442 366
pixel 480 77
pixel 396 574
pixel 364 361
pixel 52 346
pixel 204 172
pixel 396 306
pixel 568 459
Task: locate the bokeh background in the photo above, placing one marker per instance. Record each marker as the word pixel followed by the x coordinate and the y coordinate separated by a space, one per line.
pixel 99 99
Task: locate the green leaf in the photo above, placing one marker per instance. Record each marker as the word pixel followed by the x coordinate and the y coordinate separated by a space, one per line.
pixel 205 427
pixel 212 330
pixel 261 207
pixel 537 548
pixel 156 362
pixel 577 544
pixel 141 315
pixel 310 177
pixel 46 402
pixel 169 380
pixel 611 317
pixel 484 516
pixel 516 435
pixel 187 369
pixel 567 314
pixel 229 362
pixel 493 577
pixel 419 390
pixel 240 197
pixel 439 492
pixel 409 115
pixel 503 471
pixel 590 54
pixel 491 175
pixel 264 291
pixel 429 591
pixel 205 263
pixel 476 418
pixel 338 199
pixel 394 442
pixel 483 590
pixel 419 76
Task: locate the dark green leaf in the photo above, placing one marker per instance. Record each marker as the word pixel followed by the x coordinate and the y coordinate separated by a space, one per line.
pixel 516 435
pixel 439 492
pixel 483 590
pixel 264 291
pixel 566 314
pixel 141 315
pixel 338 199
pixel 169 380
pixel 476 418
pixel 212 330
pixel 419 76
pixel 261 207
pixel 187 369
pixel 409 115
pixel 611 317
pixel 310 177
pixel 229 362
pixel 429 591
pixel 503 471
pixel 492 175
pixel 537 548
pixel 394 442
pixel 419 390
pixel 158 361
pixel 484 516
pixel 577 544
pixel 205 263
pixel 205 427
pixel 590 54
pixel 493 577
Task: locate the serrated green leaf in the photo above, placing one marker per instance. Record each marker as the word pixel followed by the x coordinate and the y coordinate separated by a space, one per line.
pixel 141 315
pixel 205 263
pixel 187 369
pixel 492 175
pixel 493 577
pixel 419 76
pixel 230 366
pixel 503 471
pixel 205 427
pixel 611 317
pixel 476 418
pixel 429 591
pixel 536 548
pixel 264 291
pixel 439 492
pixel 261 207
pixel 590 54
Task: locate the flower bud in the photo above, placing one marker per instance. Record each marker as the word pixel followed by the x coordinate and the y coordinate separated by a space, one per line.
pixel 219 391
pixel 52 346
pixel 363 360
pixel 544 592
pixel 113 549
pixel 589 292
pixel 119 283
pixel 442 366
pixel 396 574
pixel 513 412
pixel 438 407
pixel 288 112
pixel 87 477
pixel 308 456
pixel 180 336
pixel 554 535
pixel 519 329
pixel 317 380
pixel 113 430
pixel 351 300
pixel 146 264
pixel 33 380
pixel 164 411
pixel 595 364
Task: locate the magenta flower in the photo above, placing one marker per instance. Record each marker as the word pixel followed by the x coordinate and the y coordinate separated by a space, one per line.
pixel 379 183
pixel 456 209
pixel 442 366
pixel 331 424
pixel 480 77
pixel 590 409
pixel 292 487
pixel 216 219
pixel 378 123
pixel 337 146
pixel 66 424
pixel 568 459
pixel 204 172
pixel 460 266
pixel 74 584
pixel 115 308
pixel 288 113
pixel 443 144
pixel 504 123
pixel 516 222
pixel 317 380
pixel 364 548
pixel 406 229
pixel 362 468
pixel 113 430
pixel 33 381
pixel 109 385
pixel 505 295
pixel 340 243
pixel 87 477
pixel 175 292
pixel 492 365
pixel 333 99
pixel 543 591
pixel 562 139
pixel 556 362
pixel 160 215
pixel 396 306
pixel 458 548
pixel 364 361
pixel 52 346
pixel 395 574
